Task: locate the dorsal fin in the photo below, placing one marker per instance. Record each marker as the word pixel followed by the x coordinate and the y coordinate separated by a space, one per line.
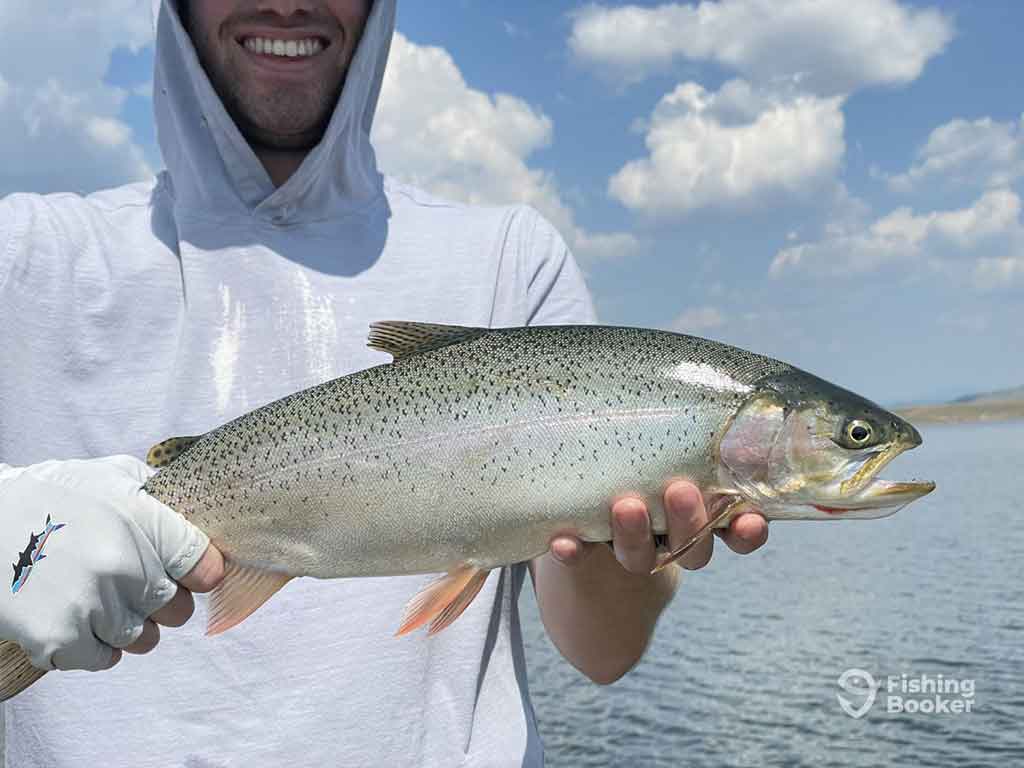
pixel 162 454
pixel 402 339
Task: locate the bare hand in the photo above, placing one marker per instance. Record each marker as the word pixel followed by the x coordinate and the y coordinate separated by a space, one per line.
pixel 685 513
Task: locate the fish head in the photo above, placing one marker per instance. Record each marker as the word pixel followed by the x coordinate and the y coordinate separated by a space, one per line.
pixel 802 448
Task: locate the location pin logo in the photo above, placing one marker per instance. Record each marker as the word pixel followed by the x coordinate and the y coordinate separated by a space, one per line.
pixel 861 685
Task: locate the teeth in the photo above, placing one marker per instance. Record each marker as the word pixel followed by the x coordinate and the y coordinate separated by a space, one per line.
pixel 286 48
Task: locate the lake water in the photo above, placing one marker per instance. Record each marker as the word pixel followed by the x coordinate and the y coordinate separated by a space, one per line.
pixel 744 666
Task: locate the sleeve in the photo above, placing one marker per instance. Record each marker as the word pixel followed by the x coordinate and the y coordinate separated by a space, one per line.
pixel 556 292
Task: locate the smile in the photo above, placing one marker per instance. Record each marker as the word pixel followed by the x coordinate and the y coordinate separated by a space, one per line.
pixel 290 49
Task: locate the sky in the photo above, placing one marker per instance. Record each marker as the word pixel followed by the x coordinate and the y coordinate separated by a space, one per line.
pixel 835 184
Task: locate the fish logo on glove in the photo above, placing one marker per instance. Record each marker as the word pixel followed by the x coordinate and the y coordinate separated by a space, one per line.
pixel 32 554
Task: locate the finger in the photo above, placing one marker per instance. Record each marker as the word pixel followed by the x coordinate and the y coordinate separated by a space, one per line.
pixel 568 550
pixel 145 642
pixel 207 573
pixel 631 535
pixel 90 654
pixel 178 611
pixel 746 533
pixel 685 513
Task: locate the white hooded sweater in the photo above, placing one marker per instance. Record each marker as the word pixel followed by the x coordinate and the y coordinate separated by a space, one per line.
pixel 169 307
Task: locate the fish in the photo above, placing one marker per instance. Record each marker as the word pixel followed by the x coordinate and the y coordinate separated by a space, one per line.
pixel 474 447
pixel 32 554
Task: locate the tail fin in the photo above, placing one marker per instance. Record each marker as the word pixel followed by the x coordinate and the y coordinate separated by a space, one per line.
pixel 16 671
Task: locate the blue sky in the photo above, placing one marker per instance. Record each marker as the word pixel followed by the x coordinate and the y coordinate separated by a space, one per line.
pixel 836 184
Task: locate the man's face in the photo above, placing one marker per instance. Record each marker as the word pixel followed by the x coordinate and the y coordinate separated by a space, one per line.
pixel 277 65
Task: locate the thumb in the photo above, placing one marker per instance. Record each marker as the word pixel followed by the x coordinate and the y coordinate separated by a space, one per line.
pixel 207 573
pixel 177 542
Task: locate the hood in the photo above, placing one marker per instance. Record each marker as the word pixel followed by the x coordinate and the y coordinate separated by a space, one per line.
pixel 211 166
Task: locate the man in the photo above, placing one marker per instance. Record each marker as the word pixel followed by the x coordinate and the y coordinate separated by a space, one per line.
pixel 251 268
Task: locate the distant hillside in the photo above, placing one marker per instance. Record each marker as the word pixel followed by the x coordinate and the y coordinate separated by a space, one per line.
pixel 1002 395
pixel 1001 405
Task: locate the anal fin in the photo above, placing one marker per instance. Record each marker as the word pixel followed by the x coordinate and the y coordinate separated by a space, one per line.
pixel 243 590
pixel 442 601
pixel 16 671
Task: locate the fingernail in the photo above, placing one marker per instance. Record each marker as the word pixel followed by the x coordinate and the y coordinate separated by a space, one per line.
pixel 563 550
pixel 631 523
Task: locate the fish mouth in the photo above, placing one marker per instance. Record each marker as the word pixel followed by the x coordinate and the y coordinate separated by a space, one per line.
pixel 866 491
pixel 867 474
pixel 881 494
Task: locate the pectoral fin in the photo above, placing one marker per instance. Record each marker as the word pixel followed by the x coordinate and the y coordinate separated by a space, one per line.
pixel 442 601
pixel 243 590
pixel 16 671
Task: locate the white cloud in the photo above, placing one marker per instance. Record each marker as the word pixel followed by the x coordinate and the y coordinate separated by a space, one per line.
pixel 986 237
pixel 981 152
pixel 698 319
pixel 605 246
pixel 991 273
pixel 59 121
pixel 108 132
pixel 731 146
pixel 435 131
pixel 828 46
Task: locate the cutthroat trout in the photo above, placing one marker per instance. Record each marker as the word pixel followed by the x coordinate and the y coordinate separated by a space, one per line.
pixel 475 447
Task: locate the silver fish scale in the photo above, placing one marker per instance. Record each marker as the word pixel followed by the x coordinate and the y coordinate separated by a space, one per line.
pixel 477 452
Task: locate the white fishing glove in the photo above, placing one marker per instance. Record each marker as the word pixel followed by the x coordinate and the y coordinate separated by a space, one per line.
pixel 89 556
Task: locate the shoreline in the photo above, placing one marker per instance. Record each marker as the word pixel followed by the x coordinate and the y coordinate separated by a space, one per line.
pixel 964 413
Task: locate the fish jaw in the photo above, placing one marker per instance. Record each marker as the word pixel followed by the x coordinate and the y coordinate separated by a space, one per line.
pixel 880 498
pixel 865 495
pixel 868 472
pixel 861 495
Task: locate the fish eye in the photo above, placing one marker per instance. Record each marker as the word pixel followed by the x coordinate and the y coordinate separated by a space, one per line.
pixel 859 433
